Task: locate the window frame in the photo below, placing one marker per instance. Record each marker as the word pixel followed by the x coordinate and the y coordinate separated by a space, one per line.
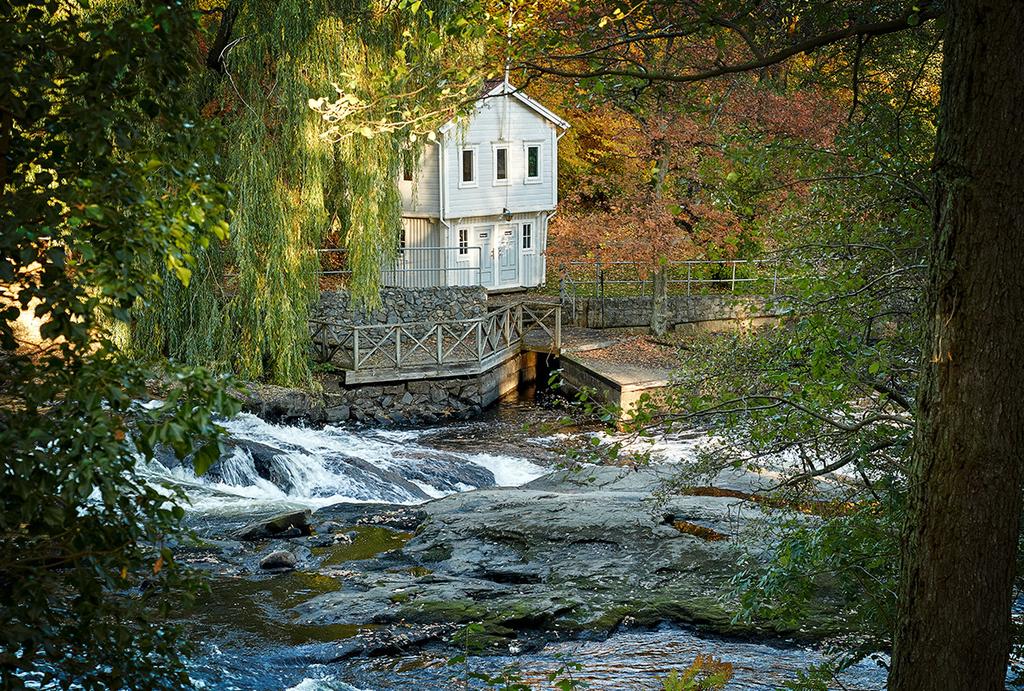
pixel 527 180
pixel 462 243
pixel 475 182
pixel 507 180
pixel 526 232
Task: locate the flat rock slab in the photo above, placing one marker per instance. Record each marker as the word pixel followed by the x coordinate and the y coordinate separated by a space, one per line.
pixel 563 555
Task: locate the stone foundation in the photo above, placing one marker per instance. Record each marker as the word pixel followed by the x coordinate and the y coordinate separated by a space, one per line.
pixel 393 403
pixel 405 305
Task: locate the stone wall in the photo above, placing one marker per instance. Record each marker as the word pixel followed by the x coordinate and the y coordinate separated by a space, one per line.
pixel 405 305
pixel 425 400
pixel 624 312
pixel 380 404
pixel 393 403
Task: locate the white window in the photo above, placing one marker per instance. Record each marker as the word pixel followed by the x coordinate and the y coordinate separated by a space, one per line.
pixel 527 234
pixel 401 241
pixel 467 162
pixel 463 241
pixel 500 164
pixel 533 162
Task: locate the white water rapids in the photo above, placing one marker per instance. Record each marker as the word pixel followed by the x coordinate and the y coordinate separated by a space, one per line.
pixel 287 465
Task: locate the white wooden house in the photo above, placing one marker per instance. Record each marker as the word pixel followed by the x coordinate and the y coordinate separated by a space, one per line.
pixel 477 203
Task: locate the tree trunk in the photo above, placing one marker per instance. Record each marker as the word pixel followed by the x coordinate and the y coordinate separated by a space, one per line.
pixel 953 629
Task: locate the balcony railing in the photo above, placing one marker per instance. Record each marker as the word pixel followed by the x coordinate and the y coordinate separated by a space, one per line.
pixel 414 267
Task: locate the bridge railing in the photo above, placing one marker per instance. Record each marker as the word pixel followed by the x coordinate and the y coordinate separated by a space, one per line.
pixel 455 346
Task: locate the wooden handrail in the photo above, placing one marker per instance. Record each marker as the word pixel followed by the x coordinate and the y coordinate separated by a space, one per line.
pixel 414 345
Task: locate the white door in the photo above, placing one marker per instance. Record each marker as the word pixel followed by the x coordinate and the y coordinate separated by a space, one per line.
pixel 508 255
pixel 484 239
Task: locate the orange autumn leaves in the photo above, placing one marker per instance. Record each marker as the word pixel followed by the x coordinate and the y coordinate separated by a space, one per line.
pixel 667 178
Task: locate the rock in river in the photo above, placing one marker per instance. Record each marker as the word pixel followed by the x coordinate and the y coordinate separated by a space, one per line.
pixel 279 559
pixel 562 557
pixel 276 526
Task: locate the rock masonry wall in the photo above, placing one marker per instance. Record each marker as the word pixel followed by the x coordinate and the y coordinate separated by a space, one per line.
pixel 624 312
pixel 405 305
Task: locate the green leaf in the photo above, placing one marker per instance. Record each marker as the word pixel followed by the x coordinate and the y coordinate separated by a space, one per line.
pixel 183 273
pixel 205 457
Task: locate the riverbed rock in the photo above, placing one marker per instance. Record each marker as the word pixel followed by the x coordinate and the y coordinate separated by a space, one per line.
pixel 564 556
pixel 576 554
pixel 276 526
pixel 278 560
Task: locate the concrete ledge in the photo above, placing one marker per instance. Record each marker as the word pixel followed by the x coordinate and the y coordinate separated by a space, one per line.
pixel 618 385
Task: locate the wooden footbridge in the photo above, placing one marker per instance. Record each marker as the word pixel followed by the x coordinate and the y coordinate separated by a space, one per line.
pixel 424 350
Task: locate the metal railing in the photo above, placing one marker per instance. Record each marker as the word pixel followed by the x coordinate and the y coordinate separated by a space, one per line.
pixel 603 279
pixel 437 348
pixel 415 267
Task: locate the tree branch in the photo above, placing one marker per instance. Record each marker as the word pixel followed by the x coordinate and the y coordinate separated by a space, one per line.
pixel 906 21
pixel 842 461
pixel 215 55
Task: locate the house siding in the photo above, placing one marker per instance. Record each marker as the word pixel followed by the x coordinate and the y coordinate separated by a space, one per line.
pixel 506 121
pixel 422 195
pixel 436 204
pixel 418 266
pixel 531 263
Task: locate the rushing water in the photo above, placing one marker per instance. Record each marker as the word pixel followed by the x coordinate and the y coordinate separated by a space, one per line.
pixel 270 465
pixel 626 660
pixel 279 466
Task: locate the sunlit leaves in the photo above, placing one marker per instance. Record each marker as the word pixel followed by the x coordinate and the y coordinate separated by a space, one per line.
pixel 100 204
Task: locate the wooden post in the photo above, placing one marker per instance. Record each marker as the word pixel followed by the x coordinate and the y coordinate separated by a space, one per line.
pixel 355 348
pixel 659 301
pixel 689 268
pixel 558 328
pixel 733 285
pixel 398 347
pixel 440 344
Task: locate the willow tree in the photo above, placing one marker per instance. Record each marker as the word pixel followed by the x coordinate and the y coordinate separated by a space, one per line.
pixel 247 308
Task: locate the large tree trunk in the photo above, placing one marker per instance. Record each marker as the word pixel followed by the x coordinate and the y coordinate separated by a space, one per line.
pixel 953 630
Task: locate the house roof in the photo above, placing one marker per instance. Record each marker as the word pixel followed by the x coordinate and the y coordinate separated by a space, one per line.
pixel 501 87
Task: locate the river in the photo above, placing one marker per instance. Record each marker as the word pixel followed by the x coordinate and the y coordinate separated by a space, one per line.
pixel 513 443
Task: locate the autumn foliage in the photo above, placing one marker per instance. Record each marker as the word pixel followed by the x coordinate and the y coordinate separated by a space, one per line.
pixel 679 171
pixel 673 181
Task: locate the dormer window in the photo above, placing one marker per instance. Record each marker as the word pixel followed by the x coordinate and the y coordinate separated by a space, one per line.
pixel 533 163
pixel 468 162
pixel 500 165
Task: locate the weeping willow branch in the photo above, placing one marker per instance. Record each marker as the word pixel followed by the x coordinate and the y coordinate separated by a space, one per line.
pixel 248 312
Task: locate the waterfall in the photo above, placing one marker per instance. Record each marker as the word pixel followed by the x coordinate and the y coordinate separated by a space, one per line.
pixel 268 463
